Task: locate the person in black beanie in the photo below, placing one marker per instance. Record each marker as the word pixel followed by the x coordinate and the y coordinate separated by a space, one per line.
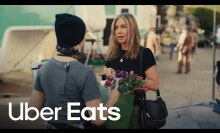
pixel 63 79
pixel 69 34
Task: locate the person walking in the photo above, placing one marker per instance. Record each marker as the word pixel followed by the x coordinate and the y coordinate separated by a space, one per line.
pixel 184 47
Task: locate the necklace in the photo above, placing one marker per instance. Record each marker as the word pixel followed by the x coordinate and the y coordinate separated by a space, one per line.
pixel 122 57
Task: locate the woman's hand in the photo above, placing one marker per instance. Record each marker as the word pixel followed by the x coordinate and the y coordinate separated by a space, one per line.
pixel 109 72
pixel 114 93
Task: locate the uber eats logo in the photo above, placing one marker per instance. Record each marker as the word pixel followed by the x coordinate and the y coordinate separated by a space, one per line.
pixel 47 113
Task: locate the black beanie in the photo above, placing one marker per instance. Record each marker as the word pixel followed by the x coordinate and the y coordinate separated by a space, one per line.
pixel 70 30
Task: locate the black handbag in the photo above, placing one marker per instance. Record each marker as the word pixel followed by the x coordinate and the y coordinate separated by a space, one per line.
pixel 152 114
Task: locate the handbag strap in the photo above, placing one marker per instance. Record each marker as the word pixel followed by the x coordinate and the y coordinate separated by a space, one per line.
pixel 141 67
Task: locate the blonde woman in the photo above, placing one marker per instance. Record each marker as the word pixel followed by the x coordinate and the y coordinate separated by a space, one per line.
pixel 124 54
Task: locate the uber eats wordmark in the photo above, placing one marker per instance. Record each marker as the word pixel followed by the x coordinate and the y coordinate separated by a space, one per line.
pixel 47 113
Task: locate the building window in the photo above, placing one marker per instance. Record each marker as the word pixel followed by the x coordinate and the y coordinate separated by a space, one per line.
pixel 124 10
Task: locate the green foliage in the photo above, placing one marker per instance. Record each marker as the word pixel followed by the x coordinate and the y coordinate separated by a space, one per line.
pixel 130 84
pixel 205 17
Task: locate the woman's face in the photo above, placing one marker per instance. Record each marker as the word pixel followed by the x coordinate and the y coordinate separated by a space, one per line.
pixel 121 31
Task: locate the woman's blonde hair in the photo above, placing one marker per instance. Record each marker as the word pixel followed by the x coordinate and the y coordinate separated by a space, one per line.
pixel 133 38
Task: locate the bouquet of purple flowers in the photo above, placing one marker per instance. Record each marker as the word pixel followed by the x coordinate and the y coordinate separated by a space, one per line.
pixel 128 82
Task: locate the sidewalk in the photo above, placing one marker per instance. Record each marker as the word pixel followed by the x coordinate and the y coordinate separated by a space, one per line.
pixel 183 89
pixel 176 90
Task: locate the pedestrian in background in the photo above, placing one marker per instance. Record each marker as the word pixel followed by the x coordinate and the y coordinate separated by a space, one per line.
pixel 184 48
pixel 151 41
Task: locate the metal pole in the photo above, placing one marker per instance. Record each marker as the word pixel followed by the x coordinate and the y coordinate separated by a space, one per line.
pixel 214 50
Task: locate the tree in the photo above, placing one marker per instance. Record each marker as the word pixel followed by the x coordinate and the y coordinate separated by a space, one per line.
pixel 205 17
pixel 161 10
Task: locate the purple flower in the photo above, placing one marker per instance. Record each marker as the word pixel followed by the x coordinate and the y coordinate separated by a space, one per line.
pixel 124 75
pixel 121 74
pixel 129 82
pixel 117 74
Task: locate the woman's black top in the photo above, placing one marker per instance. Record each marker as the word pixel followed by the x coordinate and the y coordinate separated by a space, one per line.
pixel 129 65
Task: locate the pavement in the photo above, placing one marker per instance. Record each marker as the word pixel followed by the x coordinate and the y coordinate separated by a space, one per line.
pixel 185 89
pixel 176 90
